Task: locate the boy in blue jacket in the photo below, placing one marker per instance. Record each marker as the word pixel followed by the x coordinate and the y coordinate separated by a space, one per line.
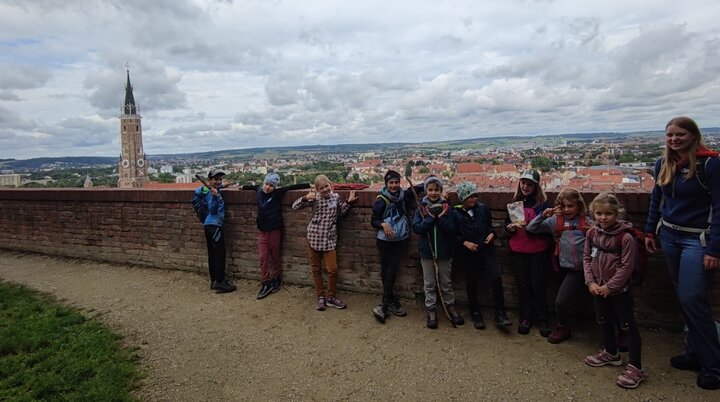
pixel 214 237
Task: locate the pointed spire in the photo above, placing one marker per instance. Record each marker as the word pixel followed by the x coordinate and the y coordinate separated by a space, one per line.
pixel 129 105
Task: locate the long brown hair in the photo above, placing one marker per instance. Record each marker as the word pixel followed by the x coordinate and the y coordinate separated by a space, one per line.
pixel 539 194
pixel 671 158
pixel 572 195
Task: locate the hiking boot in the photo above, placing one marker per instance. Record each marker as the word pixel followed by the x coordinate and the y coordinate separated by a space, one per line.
pixel 224 287
pixel 380 312
pixel 603 358
pixel 708 381
pixel 524 327
pixel 320 305
pixel 502 320
pixel 544 328
pixel 682 362
pixel 432 318
pixel 275 284
pixel 631 377
pixel 397 309
pixel 561 333
pixel 265 290
pixel 333 301
pixel 477 320
pixel 455 317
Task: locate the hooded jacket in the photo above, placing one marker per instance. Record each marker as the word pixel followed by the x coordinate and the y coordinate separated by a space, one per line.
pixel 439 231
pixel 572 241
pixel 474 228
pixel 603 263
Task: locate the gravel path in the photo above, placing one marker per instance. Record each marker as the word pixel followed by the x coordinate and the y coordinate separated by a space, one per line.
pixel 196 345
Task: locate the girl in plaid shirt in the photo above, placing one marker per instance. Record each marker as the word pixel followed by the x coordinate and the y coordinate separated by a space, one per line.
pixel 322 237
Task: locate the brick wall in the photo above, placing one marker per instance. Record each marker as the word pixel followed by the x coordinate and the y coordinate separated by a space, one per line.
pixel 157 228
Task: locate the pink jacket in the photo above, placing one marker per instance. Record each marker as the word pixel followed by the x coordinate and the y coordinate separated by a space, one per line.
pixel 527 243
pixel 603 263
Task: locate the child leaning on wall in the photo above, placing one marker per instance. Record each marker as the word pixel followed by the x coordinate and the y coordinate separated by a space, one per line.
pixel 475 253
pixel 322 237
pixel 528 252
pixel 568 222
pixel 270 225
pixel 214 235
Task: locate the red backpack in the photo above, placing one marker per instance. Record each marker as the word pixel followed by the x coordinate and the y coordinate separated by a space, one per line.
pixel 559 228
pixel 641 260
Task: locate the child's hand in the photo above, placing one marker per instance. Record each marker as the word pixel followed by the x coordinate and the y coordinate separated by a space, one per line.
pixel 511 228
pixel 489 239
pixel 593 287
pixel 603 291
pixel 214 191
pixel 423 211
pixel 352 198
pixel 470 245
pixel 310 196
pixel 389 233
pixel 445 209
pixel 548 212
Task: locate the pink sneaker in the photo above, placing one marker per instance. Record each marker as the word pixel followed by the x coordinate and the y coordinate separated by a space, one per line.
pixel 603 358
pixel 333 301
pixel 320 306
pixel 631 377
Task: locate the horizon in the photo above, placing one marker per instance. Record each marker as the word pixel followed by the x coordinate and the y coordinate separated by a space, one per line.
pixel 356 144
pixel 214 75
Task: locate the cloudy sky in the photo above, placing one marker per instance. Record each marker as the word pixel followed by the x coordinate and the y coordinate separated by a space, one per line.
pixel 212 74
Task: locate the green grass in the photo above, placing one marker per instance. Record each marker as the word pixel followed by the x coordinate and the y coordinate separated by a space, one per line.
pixel 51 352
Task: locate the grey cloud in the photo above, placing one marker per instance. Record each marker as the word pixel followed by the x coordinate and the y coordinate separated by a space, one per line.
pixel 22 77
pixel 12 120
pixel 81 132
pixel 8 96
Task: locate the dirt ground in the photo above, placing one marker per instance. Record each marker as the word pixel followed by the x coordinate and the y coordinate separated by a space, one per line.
pixel 198 345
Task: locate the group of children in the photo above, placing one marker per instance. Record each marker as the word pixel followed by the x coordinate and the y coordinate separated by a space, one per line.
pixel 462 237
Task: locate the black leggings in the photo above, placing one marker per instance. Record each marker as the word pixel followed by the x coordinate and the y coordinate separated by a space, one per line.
pixel 619 307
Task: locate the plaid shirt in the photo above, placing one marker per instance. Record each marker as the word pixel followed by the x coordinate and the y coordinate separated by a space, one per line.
pixel 322 229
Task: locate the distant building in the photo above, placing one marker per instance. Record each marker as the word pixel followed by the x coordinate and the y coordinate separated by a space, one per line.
pixel 10 180
pixel 166 169
pixel 132 166
pixel 184 178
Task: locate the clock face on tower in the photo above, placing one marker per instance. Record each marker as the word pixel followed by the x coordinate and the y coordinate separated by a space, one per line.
pixel 125 163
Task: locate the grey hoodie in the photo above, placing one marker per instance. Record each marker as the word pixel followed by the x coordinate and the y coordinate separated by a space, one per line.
pixel 572 241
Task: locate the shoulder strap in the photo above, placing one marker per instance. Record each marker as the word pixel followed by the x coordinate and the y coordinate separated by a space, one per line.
pixel 700 171
pixel 559 224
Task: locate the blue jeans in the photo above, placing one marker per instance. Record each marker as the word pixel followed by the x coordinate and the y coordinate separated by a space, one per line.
pixel 692 283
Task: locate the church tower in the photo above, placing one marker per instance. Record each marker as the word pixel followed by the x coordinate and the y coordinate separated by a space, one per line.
pixel 132 165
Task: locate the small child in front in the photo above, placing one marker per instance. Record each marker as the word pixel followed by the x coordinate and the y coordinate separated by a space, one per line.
pixel 608 271
pixel 475 253
pixel 322 237
pixel 433 222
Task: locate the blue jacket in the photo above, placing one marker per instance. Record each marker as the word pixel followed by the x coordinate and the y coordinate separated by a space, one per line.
pixel 269 214
pixel 215 206
pixel 687 203
pixel 439 231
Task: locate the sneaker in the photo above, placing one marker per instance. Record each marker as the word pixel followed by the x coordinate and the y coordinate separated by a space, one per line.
pixel 265 290
pixel 397 309
pixel 224 287
pixel 432 318
pixel 561 333
pixel 544 328
pixel 333 301
pixel 275 284
pixel 477 320
pixel 682 362
pixel 603 358
pixel 524 327
pixel 502 321
pixel 380 312
pixel 320 305
pixel 631 377
pixel 455 317
pixel 708 381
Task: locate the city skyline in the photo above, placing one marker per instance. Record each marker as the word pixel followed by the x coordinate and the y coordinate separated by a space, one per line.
pixel 212 75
